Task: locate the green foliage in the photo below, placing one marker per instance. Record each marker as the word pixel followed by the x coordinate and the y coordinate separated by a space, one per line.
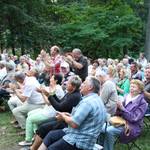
pixel 23 24
pixel 103 29
pixel 109 28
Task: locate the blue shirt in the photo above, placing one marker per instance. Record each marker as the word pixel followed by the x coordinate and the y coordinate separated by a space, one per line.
pixel 89 115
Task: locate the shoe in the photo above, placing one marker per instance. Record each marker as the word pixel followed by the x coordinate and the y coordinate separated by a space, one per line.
pixel 25 143
pixel 2 108
pixel 16 126
pixel 14 122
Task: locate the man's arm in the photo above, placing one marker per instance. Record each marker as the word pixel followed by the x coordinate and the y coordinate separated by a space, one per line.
pixel 74 63
pixel 67 118
pixel 77 65
pixel 20 96
pixel 18 92
pixel 78 116
pixel 147 94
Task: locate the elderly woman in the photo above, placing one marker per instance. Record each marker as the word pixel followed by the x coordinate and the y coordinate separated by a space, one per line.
pixel 112 73
pixel 132 111
pixel 123 84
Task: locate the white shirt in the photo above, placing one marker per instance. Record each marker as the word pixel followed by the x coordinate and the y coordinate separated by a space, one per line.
pixel 29 90
pixel 49 110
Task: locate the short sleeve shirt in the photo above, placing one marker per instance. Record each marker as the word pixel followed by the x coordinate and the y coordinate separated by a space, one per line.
pixel 90 116
pixel 29 90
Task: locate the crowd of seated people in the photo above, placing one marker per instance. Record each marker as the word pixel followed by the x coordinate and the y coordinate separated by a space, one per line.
pixel 65 101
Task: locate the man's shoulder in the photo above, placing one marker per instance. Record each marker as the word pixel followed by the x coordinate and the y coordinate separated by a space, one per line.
pixel 83 59
pixel 90 98
pixel 31 81
pixel 109 83
pixel 147 86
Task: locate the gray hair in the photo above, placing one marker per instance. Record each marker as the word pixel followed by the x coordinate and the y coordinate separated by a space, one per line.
pixel 2 64
pixel 20 75
pixel 35 72
pixel 147 66
pixel 77 50
pixel 95 83
pixel 9 67
pixel 99 72
pixel 75 81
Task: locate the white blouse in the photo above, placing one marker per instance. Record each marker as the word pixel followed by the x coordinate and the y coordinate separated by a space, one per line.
pixel 130 99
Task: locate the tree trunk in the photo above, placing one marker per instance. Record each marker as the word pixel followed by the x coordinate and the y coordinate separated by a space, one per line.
pixel 13 49
pixel 125 51
pixel 147 41
pixel 22 49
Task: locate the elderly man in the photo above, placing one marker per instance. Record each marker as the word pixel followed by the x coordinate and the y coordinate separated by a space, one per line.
pixel 147 86
pixel 108 92
pixel 55 60
pixel 135 73
pixel 78 63
pixel 83 126
pixel 29 96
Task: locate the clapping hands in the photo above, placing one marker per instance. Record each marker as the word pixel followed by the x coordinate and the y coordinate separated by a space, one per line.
pixel 61 115
pixel 12 86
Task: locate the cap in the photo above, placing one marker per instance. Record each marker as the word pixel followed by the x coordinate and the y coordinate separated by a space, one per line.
pixel 64 65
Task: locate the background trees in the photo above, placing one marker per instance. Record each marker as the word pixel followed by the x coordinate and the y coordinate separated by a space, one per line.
pixel 147 41
pixel 107 28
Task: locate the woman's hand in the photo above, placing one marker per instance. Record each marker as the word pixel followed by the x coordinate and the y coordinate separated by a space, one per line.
pixel 52 88
pixel 120 105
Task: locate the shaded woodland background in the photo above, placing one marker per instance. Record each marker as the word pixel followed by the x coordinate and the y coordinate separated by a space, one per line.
pixel 100 28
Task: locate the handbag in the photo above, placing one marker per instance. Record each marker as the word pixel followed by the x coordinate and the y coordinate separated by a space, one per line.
pixel 118 121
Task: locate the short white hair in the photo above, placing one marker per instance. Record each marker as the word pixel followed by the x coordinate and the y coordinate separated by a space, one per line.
pixel 77 50
pixel 100 72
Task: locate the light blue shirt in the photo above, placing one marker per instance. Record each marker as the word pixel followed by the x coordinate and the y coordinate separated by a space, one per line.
pixel 89 115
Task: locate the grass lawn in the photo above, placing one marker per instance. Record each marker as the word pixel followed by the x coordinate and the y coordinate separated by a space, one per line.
pixel 9 137
pixel 142 142
pixel 8 134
